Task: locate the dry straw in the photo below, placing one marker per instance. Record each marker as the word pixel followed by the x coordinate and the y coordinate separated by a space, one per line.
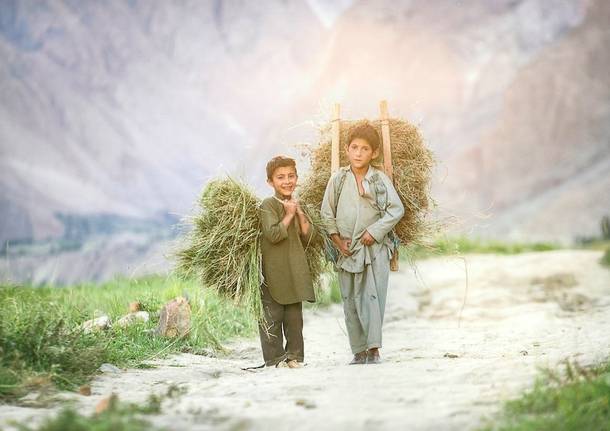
pixel 412 163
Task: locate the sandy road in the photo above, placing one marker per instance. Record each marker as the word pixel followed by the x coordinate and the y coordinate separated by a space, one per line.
pixel 522 312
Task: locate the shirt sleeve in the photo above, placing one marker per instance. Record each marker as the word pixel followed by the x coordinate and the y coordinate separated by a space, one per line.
pixel 329 207
pixel 393 213
pixel 306 239
pixel 271 223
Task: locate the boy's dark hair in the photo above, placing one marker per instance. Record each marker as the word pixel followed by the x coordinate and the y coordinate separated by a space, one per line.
pixel 279 162
pixel 364 131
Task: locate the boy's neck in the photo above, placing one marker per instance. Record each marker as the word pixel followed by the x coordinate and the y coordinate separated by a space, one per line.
pixel 360 172
pixel 282 197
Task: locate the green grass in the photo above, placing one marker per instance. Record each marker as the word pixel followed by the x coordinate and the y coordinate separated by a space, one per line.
pixel 605 260
pixel 120 416
pixel 463 245
pixel 69 419
pixel 327 294
pixel 572 400
pixel 593 243
pixel 41 344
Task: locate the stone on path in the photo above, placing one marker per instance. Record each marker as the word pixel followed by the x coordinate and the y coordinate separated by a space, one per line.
pixel 109 368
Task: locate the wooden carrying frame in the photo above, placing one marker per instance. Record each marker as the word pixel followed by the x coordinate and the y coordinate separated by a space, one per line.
pixel 387 152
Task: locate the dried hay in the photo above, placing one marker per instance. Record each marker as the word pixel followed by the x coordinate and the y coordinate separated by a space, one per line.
pixel 412 163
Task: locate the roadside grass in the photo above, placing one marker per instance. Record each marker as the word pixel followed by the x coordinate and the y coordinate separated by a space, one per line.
pixel 456 246
pixel 327 294
pixel 598 244
pixel 605 260
pixel 573 399
pixel 43 347
pixel 119 416
pixel 443 246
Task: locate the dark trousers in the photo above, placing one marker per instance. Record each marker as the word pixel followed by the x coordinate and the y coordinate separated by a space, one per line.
pixel 281 321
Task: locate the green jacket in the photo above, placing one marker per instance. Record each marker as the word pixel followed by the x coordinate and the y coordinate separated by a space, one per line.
pixel 285 269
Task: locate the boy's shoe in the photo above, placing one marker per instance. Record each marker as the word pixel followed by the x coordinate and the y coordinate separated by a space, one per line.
pixel 293 363
pixel 372 357
pixel 281 364
pixel 359 358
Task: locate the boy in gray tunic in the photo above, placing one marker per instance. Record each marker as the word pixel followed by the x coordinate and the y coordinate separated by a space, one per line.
pixel 360 208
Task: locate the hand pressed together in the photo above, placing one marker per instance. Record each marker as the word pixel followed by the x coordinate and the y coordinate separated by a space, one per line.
pixel 290 206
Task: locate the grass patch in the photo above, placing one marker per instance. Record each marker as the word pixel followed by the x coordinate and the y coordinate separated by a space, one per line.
pixel 594 244
pixel 574 399
pixel 444 246
pixel 327 293
pixel 41 344
pixel 605 260
pixel 119 416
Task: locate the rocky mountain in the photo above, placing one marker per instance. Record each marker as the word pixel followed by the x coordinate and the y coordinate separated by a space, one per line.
pixel 511 95
pixel 123 107
pixel 117 112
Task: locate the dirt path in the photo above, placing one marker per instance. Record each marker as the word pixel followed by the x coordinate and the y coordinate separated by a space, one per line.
pixel 521 312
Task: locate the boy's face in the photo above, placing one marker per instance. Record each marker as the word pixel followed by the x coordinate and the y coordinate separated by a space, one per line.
pixel 360 153
pixel 284 181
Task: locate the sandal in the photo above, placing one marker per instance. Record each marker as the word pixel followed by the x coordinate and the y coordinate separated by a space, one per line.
pixel 359 358
pixel 293 363
pixel 372 357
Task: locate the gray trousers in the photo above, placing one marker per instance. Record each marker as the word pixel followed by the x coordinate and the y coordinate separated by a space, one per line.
pixel 364 295
pixel 281 321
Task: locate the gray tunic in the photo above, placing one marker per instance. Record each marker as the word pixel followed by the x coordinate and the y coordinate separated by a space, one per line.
pixel 363 276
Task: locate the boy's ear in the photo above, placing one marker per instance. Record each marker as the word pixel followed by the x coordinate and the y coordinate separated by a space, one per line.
pixel 376 153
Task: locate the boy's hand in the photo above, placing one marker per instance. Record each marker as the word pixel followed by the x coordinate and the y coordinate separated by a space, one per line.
pixel 342 244
pixel 290 207
pixel 367 238
pixel 299 209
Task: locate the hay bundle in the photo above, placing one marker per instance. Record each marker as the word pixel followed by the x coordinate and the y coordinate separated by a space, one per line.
pixel 412 163
pixel 223 248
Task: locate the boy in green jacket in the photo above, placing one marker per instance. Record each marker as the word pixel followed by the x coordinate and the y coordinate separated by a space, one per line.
pixel 287 280
pixel 360 208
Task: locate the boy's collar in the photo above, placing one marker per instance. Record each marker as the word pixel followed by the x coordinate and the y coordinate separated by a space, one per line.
pixel 369 172
pixel 279 196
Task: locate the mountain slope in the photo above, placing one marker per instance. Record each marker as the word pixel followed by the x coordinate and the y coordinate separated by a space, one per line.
pixel 122 110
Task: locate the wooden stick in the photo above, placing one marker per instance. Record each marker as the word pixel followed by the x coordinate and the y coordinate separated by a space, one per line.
pixel 385 136
pixel 387 161
pixel 336 138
